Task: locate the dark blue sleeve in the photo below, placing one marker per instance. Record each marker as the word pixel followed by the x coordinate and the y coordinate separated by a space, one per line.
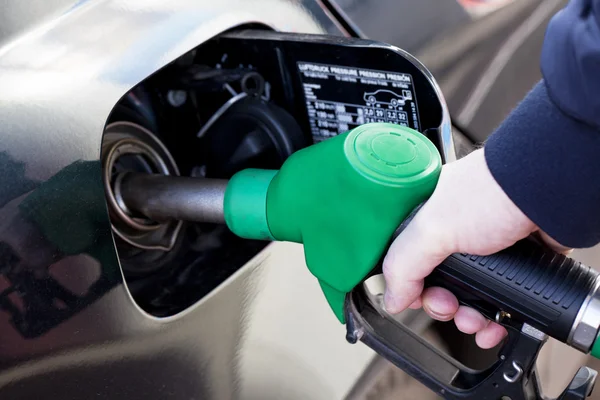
pixel 546 154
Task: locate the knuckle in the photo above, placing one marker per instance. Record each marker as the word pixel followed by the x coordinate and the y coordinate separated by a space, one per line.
pixel 433 237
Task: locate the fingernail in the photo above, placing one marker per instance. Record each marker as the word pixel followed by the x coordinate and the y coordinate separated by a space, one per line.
pixel 436 315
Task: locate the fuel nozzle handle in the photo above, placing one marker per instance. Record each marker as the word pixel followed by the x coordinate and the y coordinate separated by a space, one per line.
pixel 528 283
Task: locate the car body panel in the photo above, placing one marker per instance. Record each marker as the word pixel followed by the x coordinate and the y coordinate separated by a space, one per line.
pixel 59 79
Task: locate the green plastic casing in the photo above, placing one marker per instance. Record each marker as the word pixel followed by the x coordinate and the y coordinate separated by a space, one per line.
pixel 245 203
pixel 343 198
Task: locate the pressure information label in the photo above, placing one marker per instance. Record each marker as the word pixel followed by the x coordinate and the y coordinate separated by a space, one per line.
pixel 340 98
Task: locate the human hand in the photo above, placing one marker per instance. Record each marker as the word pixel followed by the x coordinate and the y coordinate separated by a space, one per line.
pixel 467 213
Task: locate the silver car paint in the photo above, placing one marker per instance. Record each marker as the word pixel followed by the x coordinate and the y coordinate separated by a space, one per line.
pixel 62 68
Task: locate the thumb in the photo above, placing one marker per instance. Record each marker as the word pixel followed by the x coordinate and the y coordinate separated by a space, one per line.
pixel 411 257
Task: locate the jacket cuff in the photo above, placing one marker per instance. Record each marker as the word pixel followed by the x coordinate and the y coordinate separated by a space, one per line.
pixel 549 165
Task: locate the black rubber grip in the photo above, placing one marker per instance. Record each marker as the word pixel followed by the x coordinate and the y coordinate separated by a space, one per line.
pixel 531 283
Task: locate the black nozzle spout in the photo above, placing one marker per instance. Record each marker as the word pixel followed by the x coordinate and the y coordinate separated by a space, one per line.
pixel 162 197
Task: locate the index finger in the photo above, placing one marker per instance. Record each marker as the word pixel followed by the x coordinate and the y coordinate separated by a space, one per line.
pixel 410 258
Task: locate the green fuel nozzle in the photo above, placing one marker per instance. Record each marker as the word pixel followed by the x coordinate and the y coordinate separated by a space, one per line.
pixel 342 198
